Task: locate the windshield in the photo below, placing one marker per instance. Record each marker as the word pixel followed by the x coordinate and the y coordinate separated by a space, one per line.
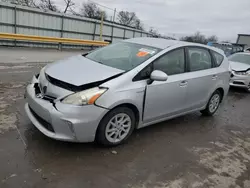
pixel 242 58
pixel 124 55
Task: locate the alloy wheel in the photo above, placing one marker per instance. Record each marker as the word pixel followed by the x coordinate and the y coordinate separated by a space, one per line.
pixel 214 103
pixel 248 88
pixel 118 128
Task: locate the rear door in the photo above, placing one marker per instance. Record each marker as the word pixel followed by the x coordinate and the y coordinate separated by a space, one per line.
pixel 202 77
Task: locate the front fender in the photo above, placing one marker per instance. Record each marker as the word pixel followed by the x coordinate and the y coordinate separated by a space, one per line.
pixel 113 99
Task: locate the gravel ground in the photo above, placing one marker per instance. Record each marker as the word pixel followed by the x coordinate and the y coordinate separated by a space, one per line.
pixel 191 151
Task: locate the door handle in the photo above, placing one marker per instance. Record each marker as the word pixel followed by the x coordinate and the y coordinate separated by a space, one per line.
pixel 183 83
pixel 214 77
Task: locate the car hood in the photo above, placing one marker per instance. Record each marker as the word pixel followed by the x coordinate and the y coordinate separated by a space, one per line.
pixel 237 66
pixel 78 71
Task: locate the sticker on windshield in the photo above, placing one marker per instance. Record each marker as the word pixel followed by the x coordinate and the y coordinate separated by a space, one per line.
pixel 143 52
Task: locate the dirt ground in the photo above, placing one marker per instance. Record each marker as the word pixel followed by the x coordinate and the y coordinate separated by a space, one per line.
pixel 187 152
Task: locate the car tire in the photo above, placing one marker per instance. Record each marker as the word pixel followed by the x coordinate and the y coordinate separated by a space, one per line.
pixel 248 89
pixel 111 127
pixel 213 104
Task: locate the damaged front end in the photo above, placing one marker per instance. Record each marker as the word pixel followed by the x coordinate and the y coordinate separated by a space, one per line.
pixel 49 88
pixel 51 109
pixel 74 88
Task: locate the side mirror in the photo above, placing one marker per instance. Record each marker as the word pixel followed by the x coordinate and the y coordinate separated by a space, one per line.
pixel 158 75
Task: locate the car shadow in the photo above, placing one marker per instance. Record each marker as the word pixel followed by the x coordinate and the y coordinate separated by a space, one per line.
pixel 42 149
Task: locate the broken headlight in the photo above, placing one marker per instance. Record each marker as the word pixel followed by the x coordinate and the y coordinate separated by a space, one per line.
pixel 85 97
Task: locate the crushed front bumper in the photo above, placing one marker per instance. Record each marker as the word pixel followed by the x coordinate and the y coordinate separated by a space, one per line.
pixel 242 81
pixel 62 121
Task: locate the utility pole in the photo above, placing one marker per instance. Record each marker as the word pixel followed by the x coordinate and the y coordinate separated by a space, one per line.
pixel 114 15
pixel 101 26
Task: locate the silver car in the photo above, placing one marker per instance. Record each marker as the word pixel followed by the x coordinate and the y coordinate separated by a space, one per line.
pixel 105 94
pixel 240 65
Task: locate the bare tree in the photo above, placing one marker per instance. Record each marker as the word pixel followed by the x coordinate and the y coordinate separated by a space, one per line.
pixel 138 24
pixel 199 38
pixel 126 18
pixel 43 4
pixel 72 11
pixel 68 4
pixel 129 19
pixel 154 32
pixel 48 5
pixel 28 3
pixel 212 38
pixel 91 10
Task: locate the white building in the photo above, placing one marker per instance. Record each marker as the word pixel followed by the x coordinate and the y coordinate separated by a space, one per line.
pixel 244 39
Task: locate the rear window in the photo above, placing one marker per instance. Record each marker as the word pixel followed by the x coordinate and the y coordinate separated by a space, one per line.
pixel 218 58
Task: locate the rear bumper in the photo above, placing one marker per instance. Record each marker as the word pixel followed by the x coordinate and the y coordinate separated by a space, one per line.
pixel 240 81
pixel 62 121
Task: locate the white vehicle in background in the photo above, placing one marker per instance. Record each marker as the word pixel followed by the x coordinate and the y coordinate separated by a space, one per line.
pixel 247 50
pixel 227 47
pixel 240 67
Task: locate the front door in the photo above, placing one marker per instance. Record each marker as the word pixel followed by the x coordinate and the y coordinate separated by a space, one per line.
pixel 167 98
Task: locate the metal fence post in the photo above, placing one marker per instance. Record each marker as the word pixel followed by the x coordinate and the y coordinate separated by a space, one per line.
pixel 124 33
pixel 93 38
pixel 101 26
pixel 94 31
pixel 112 32
pixel 15 20
pixel 61 35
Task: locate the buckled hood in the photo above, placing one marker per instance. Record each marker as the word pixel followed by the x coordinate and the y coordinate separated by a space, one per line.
pixel 78 71
pixel 237 66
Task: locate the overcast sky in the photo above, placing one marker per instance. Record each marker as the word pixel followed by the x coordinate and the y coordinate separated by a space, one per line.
pixel 224 18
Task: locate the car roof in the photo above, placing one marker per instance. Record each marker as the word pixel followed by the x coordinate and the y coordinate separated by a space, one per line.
pixel 154 42
pixel 165 43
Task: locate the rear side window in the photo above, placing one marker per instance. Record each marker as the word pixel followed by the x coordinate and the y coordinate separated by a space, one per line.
pixel 218 58
pixel 199 59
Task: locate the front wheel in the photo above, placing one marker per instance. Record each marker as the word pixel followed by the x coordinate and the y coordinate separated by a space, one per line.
pixel 213 104
pixel 248 88
pixel 116 127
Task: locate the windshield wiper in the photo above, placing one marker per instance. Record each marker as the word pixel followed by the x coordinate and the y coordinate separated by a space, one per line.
pixel 84 55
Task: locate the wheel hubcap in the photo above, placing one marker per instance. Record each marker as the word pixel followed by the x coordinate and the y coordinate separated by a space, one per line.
pixel 214 103
pixel 118 128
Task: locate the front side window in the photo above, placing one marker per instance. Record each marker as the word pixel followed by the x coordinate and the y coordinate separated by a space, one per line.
pixel 199 59
pixel 124 55
pixel 218 58
pixel 171 63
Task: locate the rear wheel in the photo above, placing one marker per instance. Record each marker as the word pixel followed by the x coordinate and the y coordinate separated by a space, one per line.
pixel 116 127
pixel 213 104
